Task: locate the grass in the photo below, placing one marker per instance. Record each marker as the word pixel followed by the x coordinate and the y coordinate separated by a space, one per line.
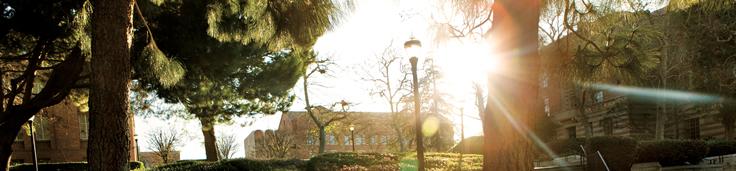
pixel 408 164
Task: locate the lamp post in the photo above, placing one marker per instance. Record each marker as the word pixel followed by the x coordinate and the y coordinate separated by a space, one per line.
pixel 352 136
pixel 137 149
pixel 462 136
pixel 33 143
pixel 413 47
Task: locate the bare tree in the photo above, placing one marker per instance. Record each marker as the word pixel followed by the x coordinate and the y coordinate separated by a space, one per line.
pixel 164 142
pixel 392 85
pixel 275 144
pixel 227 146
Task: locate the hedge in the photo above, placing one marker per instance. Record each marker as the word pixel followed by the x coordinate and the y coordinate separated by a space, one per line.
pixel 720 147
pixel 68 166
pixel 566 147
pixel 672 152
pixel 470 145
pixel 234 164
pixel 353 161
pixel 618 152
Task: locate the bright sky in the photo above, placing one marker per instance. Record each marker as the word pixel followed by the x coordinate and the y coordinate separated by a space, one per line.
pixel 354 43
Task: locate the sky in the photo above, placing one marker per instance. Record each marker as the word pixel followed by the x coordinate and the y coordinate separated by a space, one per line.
pixel 352 46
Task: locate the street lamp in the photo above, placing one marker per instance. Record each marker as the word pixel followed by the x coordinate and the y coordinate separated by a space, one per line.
pixel 413 48
pixel 33 142
pixel 137 148
pixel 352 136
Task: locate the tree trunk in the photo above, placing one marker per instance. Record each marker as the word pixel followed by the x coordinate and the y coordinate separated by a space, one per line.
pixel 208 131
pixel 513 101
pixel 109 135
pixel 400 136
pixel 7 136
pixel 322 139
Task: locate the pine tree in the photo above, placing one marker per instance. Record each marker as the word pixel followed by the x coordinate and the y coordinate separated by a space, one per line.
pixel 230 68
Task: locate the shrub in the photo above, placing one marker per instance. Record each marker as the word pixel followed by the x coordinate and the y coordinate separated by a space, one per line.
pixel 565 147
pixel 618 152
pixel 720 147
pixel 672 152
pixel 470 145
pixel 353 161
pixel 67 166
pixel 234 164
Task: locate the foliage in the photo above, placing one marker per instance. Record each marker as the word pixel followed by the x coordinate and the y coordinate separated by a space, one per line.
pixel 279 23
pixel 566 147
pixel 720 147
pixel 672 152
pixel 618 152
pixel 470 145
pixel 70 166
pixel 352 161
pixel 234 164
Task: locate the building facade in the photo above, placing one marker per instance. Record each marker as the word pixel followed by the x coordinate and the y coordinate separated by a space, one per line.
pixel 61 136
pixel 608 107
pixel 298 137
pixel 151 159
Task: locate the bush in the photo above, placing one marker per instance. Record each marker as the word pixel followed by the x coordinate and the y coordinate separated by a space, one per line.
pixel 619 152
pixel 235 164
pixel 470 145
pixel 565 147
pixel 68 166
pixel 720 147
pixel 672 152
pixel 353 161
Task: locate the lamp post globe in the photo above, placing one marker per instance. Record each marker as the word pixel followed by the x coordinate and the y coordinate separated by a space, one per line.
pixel 413 49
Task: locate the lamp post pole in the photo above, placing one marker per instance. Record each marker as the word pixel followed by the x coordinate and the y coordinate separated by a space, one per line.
pixel 352 137
pixel 137 149
pixel 33 144
pixel 462 137
pixel 412 46
pixel 417 116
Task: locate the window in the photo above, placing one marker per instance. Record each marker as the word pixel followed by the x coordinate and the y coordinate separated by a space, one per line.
pixel 346 140
pixel 694 128
pixel 571 133
pixel 599 96
pixel 310 141
pixel 333 140
pixel 359 140
pixel 607 125
pixel 83 126
pixel 42 128
pixel 545 80
pixel 384 140
pixel 373 139
pixel 546 106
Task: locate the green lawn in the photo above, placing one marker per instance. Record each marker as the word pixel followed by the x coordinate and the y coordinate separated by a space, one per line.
pixel 408 164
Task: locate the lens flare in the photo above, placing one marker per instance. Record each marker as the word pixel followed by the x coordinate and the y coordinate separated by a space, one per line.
pixel 430 126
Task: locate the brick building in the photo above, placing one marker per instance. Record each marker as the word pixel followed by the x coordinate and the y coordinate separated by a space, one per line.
pixel 151 159
pixel 372 133
pixel 611 108
pixel 61 136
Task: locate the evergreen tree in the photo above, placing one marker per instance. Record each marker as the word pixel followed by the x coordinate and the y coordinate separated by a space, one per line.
pixel 230 69
pixel 43 49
